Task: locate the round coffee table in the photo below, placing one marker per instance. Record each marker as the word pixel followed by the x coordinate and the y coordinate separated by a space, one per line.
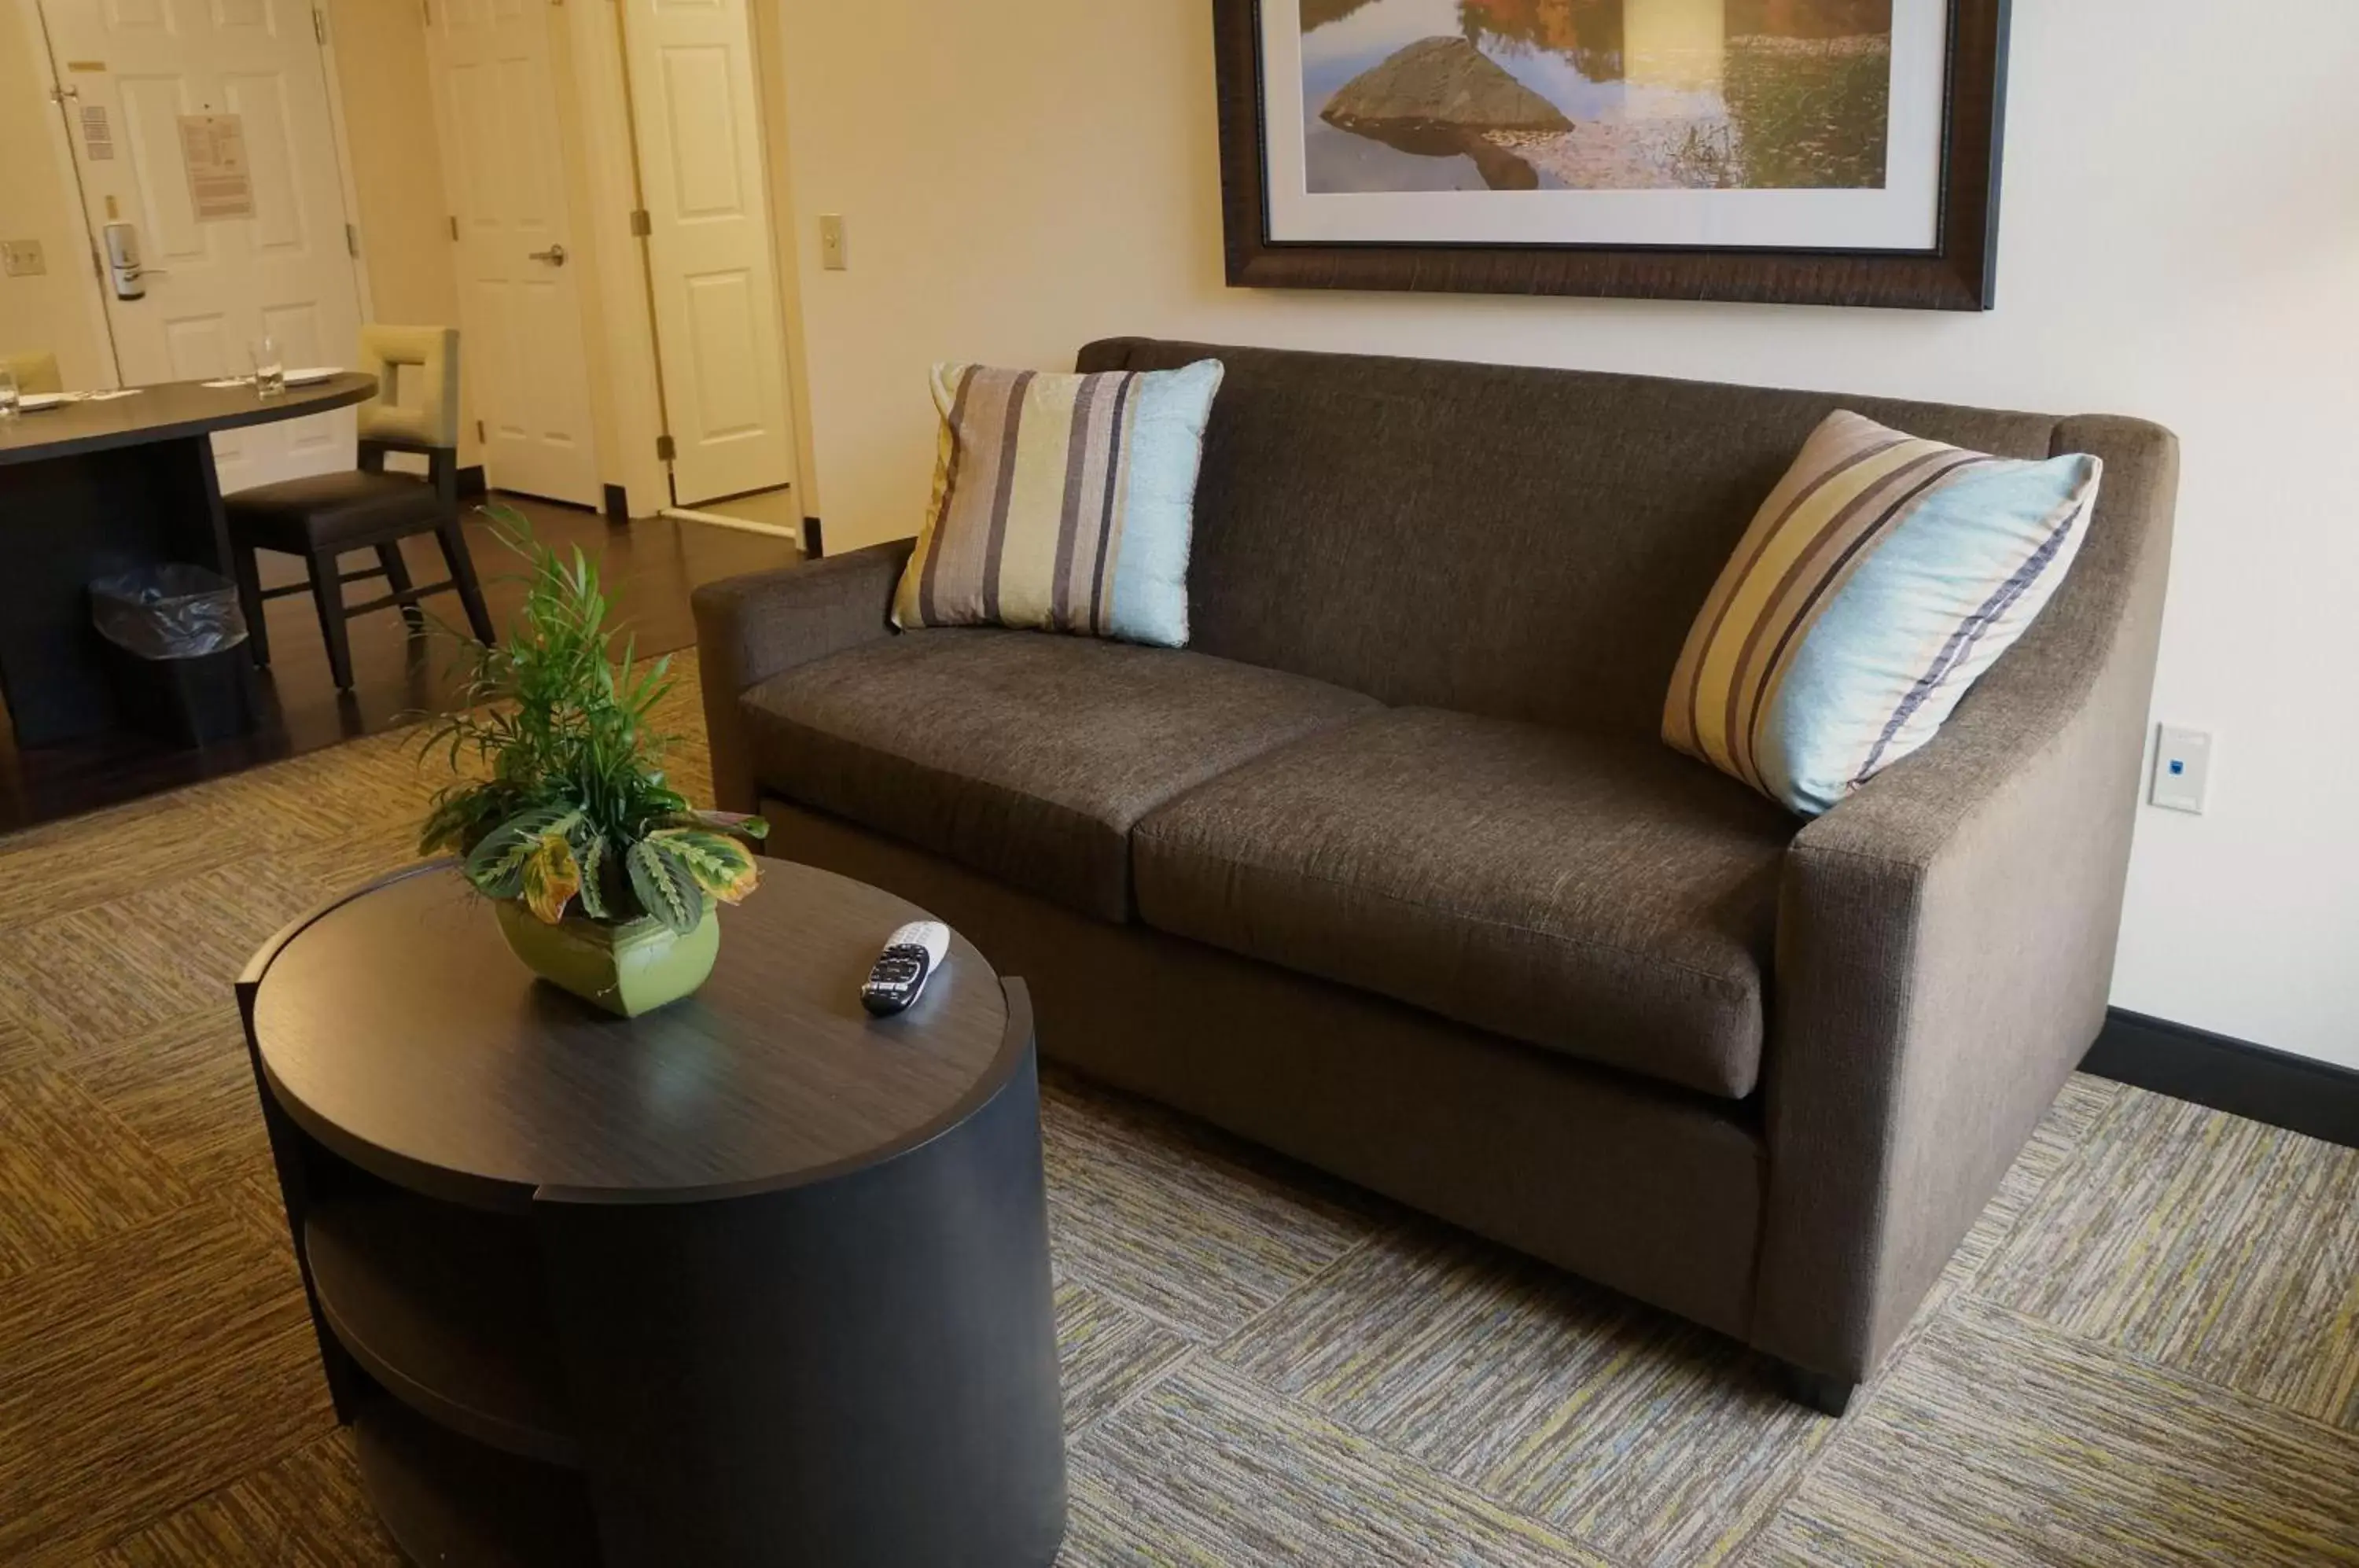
pixel 755 1278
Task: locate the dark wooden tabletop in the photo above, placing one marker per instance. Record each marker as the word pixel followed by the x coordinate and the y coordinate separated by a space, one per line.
pixel 169 412
pixel 397 1027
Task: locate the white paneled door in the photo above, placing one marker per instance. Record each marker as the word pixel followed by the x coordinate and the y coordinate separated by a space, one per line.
pixel 134 70
pixel 708 261
pixel 520 308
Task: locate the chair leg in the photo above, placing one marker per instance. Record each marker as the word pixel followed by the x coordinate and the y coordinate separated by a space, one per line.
pixel 453 538
pixel 328 595
pixel 248 572
pixel 396 576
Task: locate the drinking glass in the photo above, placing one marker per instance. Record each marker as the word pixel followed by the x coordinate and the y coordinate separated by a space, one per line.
pixel 10 400
pixel 269 370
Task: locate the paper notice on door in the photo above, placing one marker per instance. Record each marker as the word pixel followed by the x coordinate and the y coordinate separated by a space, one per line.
pixel 221 181
pixel 97 134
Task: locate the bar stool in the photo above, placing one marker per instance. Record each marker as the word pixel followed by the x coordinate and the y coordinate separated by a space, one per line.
pixel 328 516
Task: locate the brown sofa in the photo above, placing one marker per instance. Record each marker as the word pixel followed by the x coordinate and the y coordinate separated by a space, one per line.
pixel 1389 871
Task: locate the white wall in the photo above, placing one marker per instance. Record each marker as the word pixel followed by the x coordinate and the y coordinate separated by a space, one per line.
pixel 2181 241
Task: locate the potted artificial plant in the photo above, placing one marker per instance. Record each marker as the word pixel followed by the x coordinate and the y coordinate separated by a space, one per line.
pixel 606 880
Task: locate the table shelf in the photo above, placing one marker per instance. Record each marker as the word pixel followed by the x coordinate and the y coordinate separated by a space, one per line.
pixel 444 1306
pixel 447 1501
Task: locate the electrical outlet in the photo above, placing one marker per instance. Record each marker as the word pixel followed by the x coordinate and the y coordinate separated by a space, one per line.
pixel 2182 769
pixel 22 258
pixel 831 252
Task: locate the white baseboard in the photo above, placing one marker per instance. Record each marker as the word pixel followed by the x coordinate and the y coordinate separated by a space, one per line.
pixel 744 525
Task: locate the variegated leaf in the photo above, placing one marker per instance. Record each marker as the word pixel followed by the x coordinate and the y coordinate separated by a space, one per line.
pixel 496 866
pixel 722 866
pixel 550 878
pixel 592 856
pixel 745 824
pixel 665 888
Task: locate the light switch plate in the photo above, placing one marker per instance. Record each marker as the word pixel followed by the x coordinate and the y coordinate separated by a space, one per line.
pixel 2182 769
pixel 22 258
pixel 832 255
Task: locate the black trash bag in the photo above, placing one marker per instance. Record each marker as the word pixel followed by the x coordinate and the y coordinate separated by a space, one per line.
pixel 168 612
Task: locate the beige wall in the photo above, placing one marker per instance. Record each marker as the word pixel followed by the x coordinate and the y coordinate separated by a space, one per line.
pixel 2181 241
pixel 396 163
pixel 53 311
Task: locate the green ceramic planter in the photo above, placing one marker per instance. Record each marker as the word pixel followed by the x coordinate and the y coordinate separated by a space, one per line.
pixel 627 969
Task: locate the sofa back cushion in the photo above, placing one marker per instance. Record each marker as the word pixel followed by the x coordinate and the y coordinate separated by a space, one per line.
pixel 1531 544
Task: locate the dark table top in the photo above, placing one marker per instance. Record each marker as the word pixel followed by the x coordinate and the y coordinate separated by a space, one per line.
pixel 172 411
pixel 398 1027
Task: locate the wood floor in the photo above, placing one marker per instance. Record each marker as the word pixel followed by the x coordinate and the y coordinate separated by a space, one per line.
pixel 650 565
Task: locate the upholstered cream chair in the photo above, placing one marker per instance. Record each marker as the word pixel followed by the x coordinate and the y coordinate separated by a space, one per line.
pixel 36 372
pixel 327 516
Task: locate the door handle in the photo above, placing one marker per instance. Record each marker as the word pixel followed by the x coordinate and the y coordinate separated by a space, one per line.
pixel 554 255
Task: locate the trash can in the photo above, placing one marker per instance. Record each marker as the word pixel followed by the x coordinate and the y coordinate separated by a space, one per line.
pixel 176 652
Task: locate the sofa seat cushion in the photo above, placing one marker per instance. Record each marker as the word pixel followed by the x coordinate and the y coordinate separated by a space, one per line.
pixel 1020 754
pixel 1598 896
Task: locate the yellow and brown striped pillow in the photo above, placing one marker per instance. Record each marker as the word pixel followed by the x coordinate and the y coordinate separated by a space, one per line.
pixel 1882 577
pixel 1064 503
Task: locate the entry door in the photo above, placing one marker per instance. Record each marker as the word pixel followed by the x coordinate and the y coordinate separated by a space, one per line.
pixel 213 285
pixel 709 259
pixel 521 308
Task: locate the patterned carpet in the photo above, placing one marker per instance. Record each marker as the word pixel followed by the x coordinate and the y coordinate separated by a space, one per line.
pixel 2148 1350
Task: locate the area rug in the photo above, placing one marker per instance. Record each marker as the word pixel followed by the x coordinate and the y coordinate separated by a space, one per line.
pixel 2146 1352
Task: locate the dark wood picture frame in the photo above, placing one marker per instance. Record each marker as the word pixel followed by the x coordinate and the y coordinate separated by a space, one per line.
pixel 1958 275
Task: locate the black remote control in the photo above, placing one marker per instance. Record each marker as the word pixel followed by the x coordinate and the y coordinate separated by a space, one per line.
pixel 910 957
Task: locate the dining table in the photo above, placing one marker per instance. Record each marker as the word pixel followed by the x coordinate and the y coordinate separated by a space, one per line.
pixel 103 484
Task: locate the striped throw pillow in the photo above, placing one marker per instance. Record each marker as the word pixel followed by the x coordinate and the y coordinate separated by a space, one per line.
pixel 1064 503
pixel 1882 577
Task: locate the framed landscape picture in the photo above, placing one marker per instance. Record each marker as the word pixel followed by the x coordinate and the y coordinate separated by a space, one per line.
pixel 1840 152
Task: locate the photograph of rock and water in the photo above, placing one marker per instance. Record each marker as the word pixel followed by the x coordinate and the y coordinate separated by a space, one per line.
pixel 1595 94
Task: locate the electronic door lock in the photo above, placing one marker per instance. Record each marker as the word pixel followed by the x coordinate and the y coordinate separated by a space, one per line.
pixel 123 268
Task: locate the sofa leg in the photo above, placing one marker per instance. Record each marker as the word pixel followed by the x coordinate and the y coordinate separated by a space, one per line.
pixel 1823 1392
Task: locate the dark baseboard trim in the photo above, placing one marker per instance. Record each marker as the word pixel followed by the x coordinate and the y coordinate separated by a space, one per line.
pixel 618 504
pixel 814 546
pixel 2299 1094
pixel 471 480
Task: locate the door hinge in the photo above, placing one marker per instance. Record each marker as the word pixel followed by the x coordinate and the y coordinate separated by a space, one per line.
pixel 480 436
pixel 665 450
pixel 454 228
pixel 320 26
pixel 352 241
pixel 641 225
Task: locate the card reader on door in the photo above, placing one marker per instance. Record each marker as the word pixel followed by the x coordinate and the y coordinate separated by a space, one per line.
pixel 123 268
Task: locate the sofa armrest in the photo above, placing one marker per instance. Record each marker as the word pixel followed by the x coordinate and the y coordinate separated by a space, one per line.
pixel 751 628
pixel 1945 943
